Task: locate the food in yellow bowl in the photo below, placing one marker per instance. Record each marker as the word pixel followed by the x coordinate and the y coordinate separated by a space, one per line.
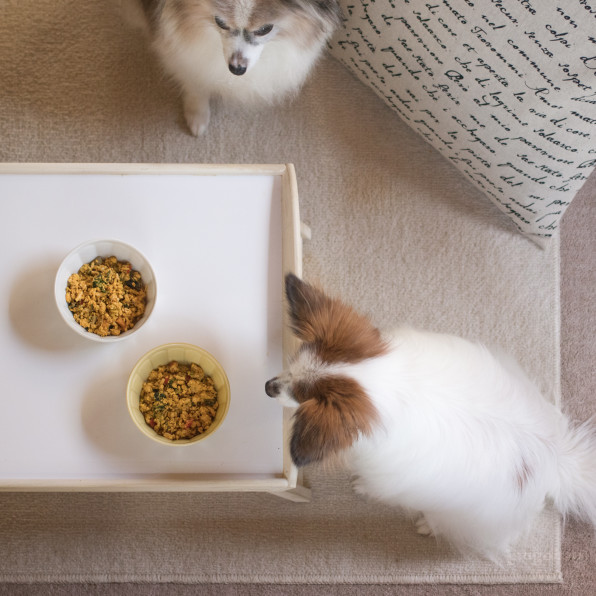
pixel 178 401
pixel 106 296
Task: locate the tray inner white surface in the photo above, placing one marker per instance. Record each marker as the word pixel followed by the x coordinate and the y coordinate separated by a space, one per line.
pixel 215 245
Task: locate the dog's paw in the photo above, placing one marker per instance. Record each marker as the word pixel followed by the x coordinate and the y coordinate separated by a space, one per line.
pixel 422 527
pixel 197 114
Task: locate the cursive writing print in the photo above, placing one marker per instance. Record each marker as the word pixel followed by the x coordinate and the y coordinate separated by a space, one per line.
pixel 505 89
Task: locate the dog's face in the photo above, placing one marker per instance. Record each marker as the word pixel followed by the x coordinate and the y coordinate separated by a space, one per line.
pixel 332 407
pixel 246 26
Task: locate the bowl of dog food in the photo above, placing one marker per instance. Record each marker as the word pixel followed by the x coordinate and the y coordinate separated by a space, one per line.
pixel 178 394
pixel 105 290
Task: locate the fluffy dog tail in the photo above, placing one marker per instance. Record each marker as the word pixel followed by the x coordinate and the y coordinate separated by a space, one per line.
pixel 577 472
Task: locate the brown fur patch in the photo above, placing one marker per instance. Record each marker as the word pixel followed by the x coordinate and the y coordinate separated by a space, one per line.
pixel 265 12
pixel 309 20
pixel 337 332
pixel 334 415
pixel 190 17
pixel 262 12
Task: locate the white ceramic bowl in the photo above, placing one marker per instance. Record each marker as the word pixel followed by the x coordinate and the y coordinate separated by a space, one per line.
pixel 183 353
pixel 85 253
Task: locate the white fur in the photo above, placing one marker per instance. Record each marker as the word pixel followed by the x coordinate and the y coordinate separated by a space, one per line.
pixel 464 437
pixel 277 64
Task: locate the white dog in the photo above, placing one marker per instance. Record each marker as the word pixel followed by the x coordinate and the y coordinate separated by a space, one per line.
pixel 248 51
pixel 433 423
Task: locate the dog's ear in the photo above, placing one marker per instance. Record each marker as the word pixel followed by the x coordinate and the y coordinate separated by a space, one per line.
pixel 336 413
pixel 339 333
pixel 304 301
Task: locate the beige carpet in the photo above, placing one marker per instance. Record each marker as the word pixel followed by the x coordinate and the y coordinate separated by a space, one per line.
pixel 395 230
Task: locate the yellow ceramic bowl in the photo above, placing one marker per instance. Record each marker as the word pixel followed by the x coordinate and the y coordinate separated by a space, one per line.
pixel 183 353
pixel 85 253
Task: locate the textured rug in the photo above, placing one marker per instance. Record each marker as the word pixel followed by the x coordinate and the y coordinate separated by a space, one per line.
pixel 395 230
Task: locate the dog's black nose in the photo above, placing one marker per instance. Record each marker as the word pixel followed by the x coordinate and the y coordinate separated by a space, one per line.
pixel 237 69
pixel 272 388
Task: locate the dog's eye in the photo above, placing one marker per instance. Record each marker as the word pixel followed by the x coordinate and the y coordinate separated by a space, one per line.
pixel 264 30
pixel 221 23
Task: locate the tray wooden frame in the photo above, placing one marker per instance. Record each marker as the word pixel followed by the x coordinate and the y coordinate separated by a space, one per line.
pixel 290 483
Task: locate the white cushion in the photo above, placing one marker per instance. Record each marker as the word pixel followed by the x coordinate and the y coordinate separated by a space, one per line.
pixel 505 89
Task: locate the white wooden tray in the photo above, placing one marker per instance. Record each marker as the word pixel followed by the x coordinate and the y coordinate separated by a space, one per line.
pixel 220 239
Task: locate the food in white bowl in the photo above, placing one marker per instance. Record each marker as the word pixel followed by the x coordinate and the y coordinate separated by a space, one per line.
pixel 106 296
pixel 105 290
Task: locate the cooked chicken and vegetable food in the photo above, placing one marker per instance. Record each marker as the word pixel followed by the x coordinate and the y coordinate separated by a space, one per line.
pixel 106 296
pixel 179 401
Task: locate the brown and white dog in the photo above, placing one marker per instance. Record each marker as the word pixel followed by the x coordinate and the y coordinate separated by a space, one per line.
pixel 433 423
pixel 248 51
